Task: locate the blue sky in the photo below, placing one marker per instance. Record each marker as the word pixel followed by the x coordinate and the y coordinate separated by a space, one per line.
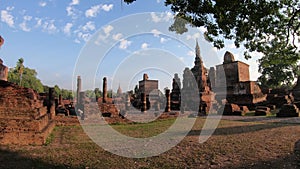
pixel 53 35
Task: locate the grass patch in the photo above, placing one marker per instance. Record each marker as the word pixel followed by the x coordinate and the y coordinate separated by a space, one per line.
pixel 49 139
pixel 143 130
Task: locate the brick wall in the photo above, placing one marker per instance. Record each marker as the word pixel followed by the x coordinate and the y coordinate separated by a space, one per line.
pixel 23 117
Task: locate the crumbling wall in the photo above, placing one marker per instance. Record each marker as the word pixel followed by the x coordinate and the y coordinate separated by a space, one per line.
pixel 23 117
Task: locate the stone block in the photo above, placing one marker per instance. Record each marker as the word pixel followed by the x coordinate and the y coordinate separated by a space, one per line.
pixel 262 111
pixel 231 109
pixel 288 110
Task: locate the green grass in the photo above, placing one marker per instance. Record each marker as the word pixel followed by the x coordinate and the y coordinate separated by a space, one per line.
pixel 143 130
pixel 49 139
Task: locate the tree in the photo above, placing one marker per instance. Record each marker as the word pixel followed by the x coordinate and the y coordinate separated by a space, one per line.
pixel 98 93
pixel 29 78
pixel 67 94
pixel 267 27
pixel 20 68
pixel 57 91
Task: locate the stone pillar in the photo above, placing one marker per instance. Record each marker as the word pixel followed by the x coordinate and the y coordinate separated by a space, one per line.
pixel 168 102
pixel 60 100
pixel 104 98
pixel 81 105
pixel 51 105
pixel 212 78
pixel 3 71
pixel 128 103
pixel 1 41
pixel 144 102
pixel 78 89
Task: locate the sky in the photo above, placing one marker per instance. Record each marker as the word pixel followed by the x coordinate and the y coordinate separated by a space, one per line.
pixel 62 39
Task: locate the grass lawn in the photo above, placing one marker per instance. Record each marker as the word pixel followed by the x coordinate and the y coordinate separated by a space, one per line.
pixel 234 144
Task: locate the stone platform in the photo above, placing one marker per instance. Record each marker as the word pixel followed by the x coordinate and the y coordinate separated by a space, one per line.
pixel 23 116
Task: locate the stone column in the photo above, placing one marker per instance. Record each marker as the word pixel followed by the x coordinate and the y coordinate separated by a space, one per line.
pixel 144 102
pixel 51 106
pixel 104 97
pixel 60 100
pixel 81 105
pixel 3 71
pixel 168 102
pixel 78 89
pixel 128 103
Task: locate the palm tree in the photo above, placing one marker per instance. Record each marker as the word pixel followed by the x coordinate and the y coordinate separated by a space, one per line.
pixel 20 68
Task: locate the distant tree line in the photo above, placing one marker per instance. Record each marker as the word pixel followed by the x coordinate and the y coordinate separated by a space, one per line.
pixel 26 77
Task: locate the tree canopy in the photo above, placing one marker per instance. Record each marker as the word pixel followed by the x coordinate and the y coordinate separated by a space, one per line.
pixel 268 27
pixel 25 77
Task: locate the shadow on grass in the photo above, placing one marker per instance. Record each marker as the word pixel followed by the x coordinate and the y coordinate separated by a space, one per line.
pixel 243 129
pixel 291 161
pixel 11 160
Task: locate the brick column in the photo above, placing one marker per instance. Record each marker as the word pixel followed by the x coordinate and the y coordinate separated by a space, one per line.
pixel 104 97
pixel 168 102
pixel 78 89
pixel 144 102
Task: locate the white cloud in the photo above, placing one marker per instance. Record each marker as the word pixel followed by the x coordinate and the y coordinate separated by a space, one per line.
pixel 23 25
pixel 38 22
pixel 73 12
pixel 155 32
pixel 202 29
pixel 193 36
pixel 49 27
pixel 158 1
pixel 117 36
pixel 7 17
pixel 42 4
pixel 84 36
pixel 67 28
pixel 231 46
pixel 144 45
pixel 10 8
pixel 191 53
pixel 124 44
pixel 166 16
pixel 107 29
pixel 93 11
pixel 74 2
pixel 107 8
pixel 154 17
pixel 163 40
pixel 77 41
pixel 89 26
pixel 70 10
pixel 27 18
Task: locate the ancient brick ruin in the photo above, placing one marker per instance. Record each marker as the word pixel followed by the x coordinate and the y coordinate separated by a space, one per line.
pixel 234 77
pixel 197 81
pixel 24 116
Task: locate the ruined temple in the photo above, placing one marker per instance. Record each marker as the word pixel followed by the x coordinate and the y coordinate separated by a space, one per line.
pixel 175 95
pixel 25 117
pixel 3 71
pixel 148 88
pixel 197 78
pixel 233 80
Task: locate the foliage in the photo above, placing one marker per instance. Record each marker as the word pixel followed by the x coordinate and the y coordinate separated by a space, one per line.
pixel 66 94
pixel 268 27
pixel 275 71
pixel 57 91
pixel 98 93
pixel 28 76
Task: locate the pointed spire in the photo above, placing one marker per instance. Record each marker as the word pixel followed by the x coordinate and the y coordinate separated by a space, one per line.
pixel 119 91
pixel 197 49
